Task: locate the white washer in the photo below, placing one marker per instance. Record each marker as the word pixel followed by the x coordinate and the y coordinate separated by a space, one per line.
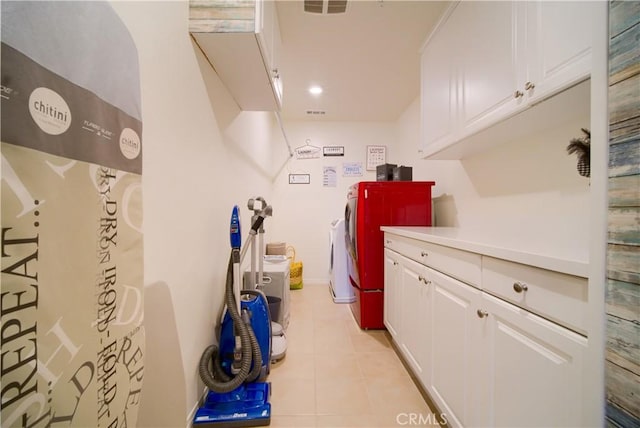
pixel 339 285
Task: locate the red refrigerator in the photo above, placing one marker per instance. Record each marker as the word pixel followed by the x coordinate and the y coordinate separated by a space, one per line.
pixel 370 205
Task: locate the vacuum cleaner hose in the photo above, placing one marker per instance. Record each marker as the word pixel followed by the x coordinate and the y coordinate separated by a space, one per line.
pixel 215 378
pixel 255 346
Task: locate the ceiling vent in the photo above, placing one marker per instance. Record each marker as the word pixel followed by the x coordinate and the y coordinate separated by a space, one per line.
pixel 325 6
pixel 315 112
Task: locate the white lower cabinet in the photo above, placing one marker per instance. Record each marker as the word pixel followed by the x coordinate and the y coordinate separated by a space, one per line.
pixel 455 341
pixel 484 361
pixel 407 304
pixel 392 292
pixel 531 369
pixel 416 314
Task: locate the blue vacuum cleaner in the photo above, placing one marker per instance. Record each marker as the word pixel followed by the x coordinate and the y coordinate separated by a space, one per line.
pixel 235 372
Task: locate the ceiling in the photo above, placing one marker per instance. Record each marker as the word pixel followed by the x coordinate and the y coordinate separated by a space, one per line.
pixel 367 59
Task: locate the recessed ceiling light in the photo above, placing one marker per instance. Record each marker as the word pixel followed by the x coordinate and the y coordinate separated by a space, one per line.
pixel 315 90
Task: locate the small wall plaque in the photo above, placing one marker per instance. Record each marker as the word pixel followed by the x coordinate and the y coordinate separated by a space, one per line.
pixel 333 151
pixel 352 169
pixel 299 178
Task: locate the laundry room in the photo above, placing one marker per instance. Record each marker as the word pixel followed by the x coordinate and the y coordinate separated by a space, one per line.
pixel 296 213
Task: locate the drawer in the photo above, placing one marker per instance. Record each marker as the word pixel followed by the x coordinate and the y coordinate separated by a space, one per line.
pixel 462 265
pixel 556 296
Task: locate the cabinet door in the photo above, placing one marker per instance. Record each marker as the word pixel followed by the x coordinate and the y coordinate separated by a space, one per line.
pixel 392 290
pixel 439 87
pixel 559 40
pixel 532 370
pixel 416 315
pixel 490 63
pixel 454 346
pixel 268 36
pixel 276 60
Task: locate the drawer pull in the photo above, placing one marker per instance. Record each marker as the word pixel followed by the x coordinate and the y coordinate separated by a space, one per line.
pixel 424 254
pixel 423 280
pixel 389 241
pixel 519 287
pixel 482 313
pixel 395 263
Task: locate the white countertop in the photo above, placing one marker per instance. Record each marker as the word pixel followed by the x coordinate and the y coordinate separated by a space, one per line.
pixel 559 258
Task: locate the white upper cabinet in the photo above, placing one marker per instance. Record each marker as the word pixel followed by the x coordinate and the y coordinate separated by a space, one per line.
pixel 489 66
pixel 558 45
pixel 439 87
pixel 489 61
pixel 271 45
pixel 241 40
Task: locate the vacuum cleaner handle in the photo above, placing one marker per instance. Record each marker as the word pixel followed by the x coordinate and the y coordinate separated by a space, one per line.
pixel 259 218
pixel 234 232
pixel 261 210
pixel 258 223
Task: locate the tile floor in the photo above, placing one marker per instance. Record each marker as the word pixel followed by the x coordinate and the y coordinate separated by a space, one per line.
pixel 335 374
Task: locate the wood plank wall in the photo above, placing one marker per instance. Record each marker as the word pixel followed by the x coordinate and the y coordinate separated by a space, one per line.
pixel 222 16
pixel 622 365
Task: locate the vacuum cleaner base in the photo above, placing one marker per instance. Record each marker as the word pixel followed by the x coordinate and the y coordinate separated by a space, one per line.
pixel 246 406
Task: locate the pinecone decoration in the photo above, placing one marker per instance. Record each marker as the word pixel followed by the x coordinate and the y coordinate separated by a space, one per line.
pixel 582 147
pixel 584 169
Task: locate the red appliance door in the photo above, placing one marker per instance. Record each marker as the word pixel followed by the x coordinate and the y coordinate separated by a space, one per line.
pixel 396 203
pixel 350 228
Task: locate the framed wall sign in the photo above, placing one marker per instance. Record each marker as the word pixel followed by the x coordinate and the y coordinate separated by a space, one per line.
pixel 376 155
pixel 329 176
pixel 299 178
pixel 333 151
pixel 352 169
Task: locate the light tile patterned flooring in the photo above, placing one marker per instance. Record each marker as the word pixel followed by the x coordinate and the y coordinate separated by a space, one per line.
pixel 335 374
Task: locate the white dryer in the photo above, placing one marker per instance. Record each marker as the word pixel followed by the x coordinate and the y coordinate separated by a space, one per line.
pixel 339 285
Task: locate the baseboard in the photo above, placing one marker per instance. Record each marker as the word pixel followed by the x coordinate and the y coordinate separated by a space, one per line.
pixel 423 391
pixel 196 406
pixel 315 281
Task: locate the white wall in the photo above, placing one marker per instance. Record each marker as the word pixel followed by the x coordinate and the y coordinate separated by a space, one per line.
pixel 528 189
pixel 201 156
pixel 303 212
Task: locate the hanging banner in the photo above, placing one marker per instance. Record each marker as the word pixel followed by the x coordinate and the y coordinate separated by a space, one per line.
pixel 71 304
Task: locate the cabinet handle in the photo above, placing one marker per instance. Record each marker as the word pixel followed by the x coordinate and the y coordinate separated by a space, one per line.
pixel 395 263
pixel 482 313
pixel 276 73
pixel 424 254
pixel 529 86
pixel 388 241
pixel 423 280
pixel 519 287
pixel 518 94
